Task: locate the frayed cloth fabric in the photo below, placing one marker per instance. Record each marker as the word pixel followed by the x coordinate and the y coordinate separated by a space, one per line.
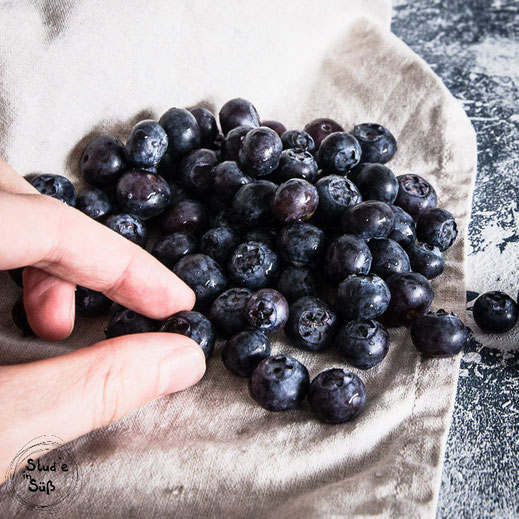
pixel 70 71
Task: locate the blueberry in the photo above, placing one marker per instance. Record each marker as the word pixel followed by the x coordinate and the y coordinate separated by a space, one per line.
pixel 311 324
pixel 415 195
pixel 279 383
pixel 336 193
pixel 355 172
pixel 126 322
pixel 440 334
pixel 238 112
pixel 278 127
pixel 228 218
pixel 267 310
pixel 167 168
pixel 294 163
pixel 411 297
pixel 57 187
pixel 195 170
pixel 377 182
pixel 362 343
pixel 228 178
pixel 91 303
pixel 437 227
pixel 183 132
pixel 219 243
pixel 495 312
pixel 252 203
pixel 129 226
pixel 296 282
pixel 377 142
pixel 347 255
pixel 193 325
pixel 260 152
pixel 19 317
pixel 146 145
pixel 17 276
pixel 404 231
pixel 320 128
pixel 338 153
pixel 94 203
pixel 371 219
pixel 170 248
pixel 262 234
pixel 388 258
pixel 425 259
pixel 244 351
pixel 103 161
pixel 203 275
pixel 362 297
pixel 228 311
pixel 207 124
pixel 187 216
pixel 301 244
pixel 294 200
pixel 233 143
pixel 298 140
pixel 143 194
pixel 337 395
pixel 253 265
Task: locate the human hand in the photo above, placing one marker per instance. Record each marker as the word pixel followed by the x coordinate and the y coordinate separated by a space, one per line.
pixel 89 387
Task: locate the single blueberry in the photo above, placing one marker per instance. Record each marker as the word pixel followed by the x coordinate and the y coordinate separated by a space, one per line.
pixel 301 244
pixel 404 231
pixel 129 226
pixel 347 255
pixel 338 153
pixel 170 248
pixel 320 128
pixel 388 257
pixel 126 322
pixel 260 152
pixel 298 140
pixel 267 310
pixel 187 216
pixel 227 311
pixel 371 219
pixel 233 143
pixel 219 243
pixel 415 195
pixel 437 227
pixel 425 259
pixel 238 112
pixel 294 200
pixel 278 127
pixel 94 203
pixel 253 265
pixel 377 182
pixel 228 178
pixel 147 144
pixel 195 170
pixel 252 203
pixel 296 282
pixel 207 124
pixel 19 317
pixel 183 132
pixel 56 186
pixel 495 312
pixel 377 142
pixel 295 163
pixel 91 303
pixel 244 351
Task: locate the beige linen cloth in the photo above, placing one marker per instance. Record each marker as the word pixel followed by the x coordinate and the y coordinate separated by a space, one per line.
pixel 71 70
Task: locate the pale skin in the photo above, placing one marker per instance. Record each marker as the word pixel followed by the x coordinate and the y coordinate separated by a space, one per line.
pixel 89 387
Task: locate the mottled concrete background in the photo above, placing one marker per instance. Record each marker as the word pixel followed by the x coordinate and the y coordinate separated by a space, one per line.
pixel 473 46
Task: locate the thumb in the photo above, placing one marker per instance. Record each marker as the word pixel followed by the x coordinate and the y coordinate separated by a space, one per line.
pixel 92 387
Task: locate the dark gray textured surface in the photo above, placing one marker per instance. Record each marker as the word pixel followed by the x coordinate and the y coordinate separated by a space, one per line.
pixel 474 47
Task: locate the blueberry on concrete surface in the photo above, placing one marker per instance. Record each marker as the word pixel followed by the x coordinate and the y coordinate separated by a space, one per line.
pixel 495 312
pixel 91 303
pixel 260 152
pixel 219 243
pixel 415 195
pixel 203 275
pixel 193 325
pixel 440 334
pixel 294 200
pixel 94 202
pixel 227 311
pixel 183 132
pixel 279 383
pixel 244 351
pixel 19 317
pixel 253 265
pixel 338 153
pixel 388 257
pixel 103 161
pixel 228 178
pixel 147 144
pixel 377 142
pixel 301 244
pixel 278 127
pixel 126 322
pixel 404 230
pixel 377 182
pixel 170 248
pixel 425 259
pixel 195 170
pixel 371 219
pixel 437 227
pixel 337 395
pixel 238 112
pixel 362 297
pixel 56 186
pixel 189 216
pixel 311 324
pixel 296 282
pixel 129 226
pixel 347 255
pixel 233 143
pixel 362 343
pixel 267 310
pixel 252 203
pixel 294 163
pixel 411 297
pixel 143 194
pixel 298 140
pixel 320 128
pixel 207 124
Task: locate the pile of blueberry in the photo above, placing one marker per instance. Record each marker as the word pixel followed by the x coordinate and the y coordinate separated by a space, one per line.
pixel 306 231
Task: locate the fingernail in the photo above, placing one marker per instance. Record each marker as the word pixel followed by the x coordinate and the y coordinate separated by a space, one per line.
pixel 182 369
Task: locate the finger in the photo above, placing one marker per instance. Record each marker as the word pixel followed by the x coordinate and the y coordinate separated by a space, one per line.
pixel 64 242
pixel 92 387
pixel 12 182
pixel 49 303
